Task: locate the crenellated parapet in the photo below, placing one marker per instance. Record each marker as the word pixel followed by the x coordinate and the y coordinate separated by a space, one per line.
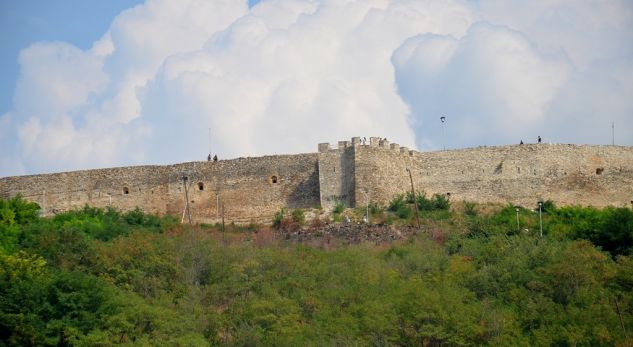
pixel 361 142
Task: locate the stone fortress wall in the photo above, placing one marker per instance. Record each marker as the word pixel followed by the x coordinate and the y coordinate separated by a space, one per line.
pixel 249 189
pixel 518 174
pixel 254 189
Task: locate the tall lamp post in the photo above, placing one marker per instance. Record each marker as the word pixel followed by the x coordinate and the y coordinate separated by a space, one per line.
pixel 443 120
pixel 540 216
pixel 367 205
pixel 518 226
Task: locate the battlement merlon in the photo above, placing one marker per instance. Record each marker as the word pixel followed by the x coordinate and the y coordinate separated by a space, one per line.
pixel 343 144
pixel 374 142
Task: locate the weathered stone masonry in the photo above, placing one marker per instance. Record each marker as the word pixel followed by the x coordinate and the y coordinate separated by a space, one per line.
pixel 254 189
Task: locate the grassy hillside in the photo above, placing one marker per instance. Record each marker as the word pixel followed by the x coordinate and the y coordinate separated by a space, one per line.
pixel 470 277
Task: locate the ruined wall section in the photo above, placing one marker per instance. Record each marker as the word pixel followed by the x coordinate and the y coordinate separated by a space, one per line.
pixel 336 174
pixel 521 174
pixel 251 189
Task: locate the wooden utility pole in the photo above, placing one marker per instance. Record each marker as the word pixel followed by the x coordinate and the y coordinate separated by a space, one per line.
pixel 415 199
pixel 184 183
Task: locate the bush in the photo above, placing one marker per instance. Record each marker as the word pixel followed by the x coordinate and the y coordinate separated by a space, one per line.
pixel 470 208
pixel 279 216
pixel 18 211
pixel 424 204
pixel 396 203
pixel 548 206
pixel 404 212
pixel 339 207
pixel 437 202
pixel 375 208
pixel 441 202
pixel 298 216
pixel 410 198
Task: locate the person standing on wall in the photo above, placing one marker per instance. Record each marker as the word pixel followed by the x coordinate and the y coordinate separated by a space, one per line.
pixel 539 139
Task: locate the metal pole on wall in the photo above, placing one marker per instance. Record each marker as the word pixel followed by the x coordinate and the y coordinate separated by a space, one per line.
pixel 367 210
pixel 217 205
pixel 415 200
pixel 223 239
pixel 367 206
pixel 518 226
pixel 540 216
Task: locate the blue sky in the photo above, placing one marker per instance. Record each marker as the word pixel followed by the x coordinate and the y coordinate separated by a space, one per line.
pixel 90 84
pixel 23 22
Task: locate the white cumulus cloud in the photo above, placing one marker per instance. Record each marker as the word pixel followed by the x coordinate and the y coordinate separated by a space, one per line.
pixel 286 74
pixel 493 85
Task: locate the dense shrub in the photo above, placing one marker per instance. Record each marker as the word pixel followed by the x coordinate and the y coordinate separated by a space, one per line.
pixel 404 212
pixel 468 281
pixel 396 203
pixel 279 216
pixel 438 202
pixel 375 208
pixel 298 216
pixel 470 208
pixel 339 207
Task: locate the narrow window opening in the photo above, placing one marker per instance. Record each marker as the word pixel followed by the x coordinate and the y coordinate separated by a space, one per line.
pixel 518 169
pixel 200 186
pixel 126 190
pixel 599 171
pixel 335 169
pixel 273 179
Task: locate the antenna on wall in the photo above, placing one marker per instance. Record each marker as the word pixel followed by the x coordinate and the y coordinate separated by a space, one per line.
pixel 209 141
pixel 612 133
